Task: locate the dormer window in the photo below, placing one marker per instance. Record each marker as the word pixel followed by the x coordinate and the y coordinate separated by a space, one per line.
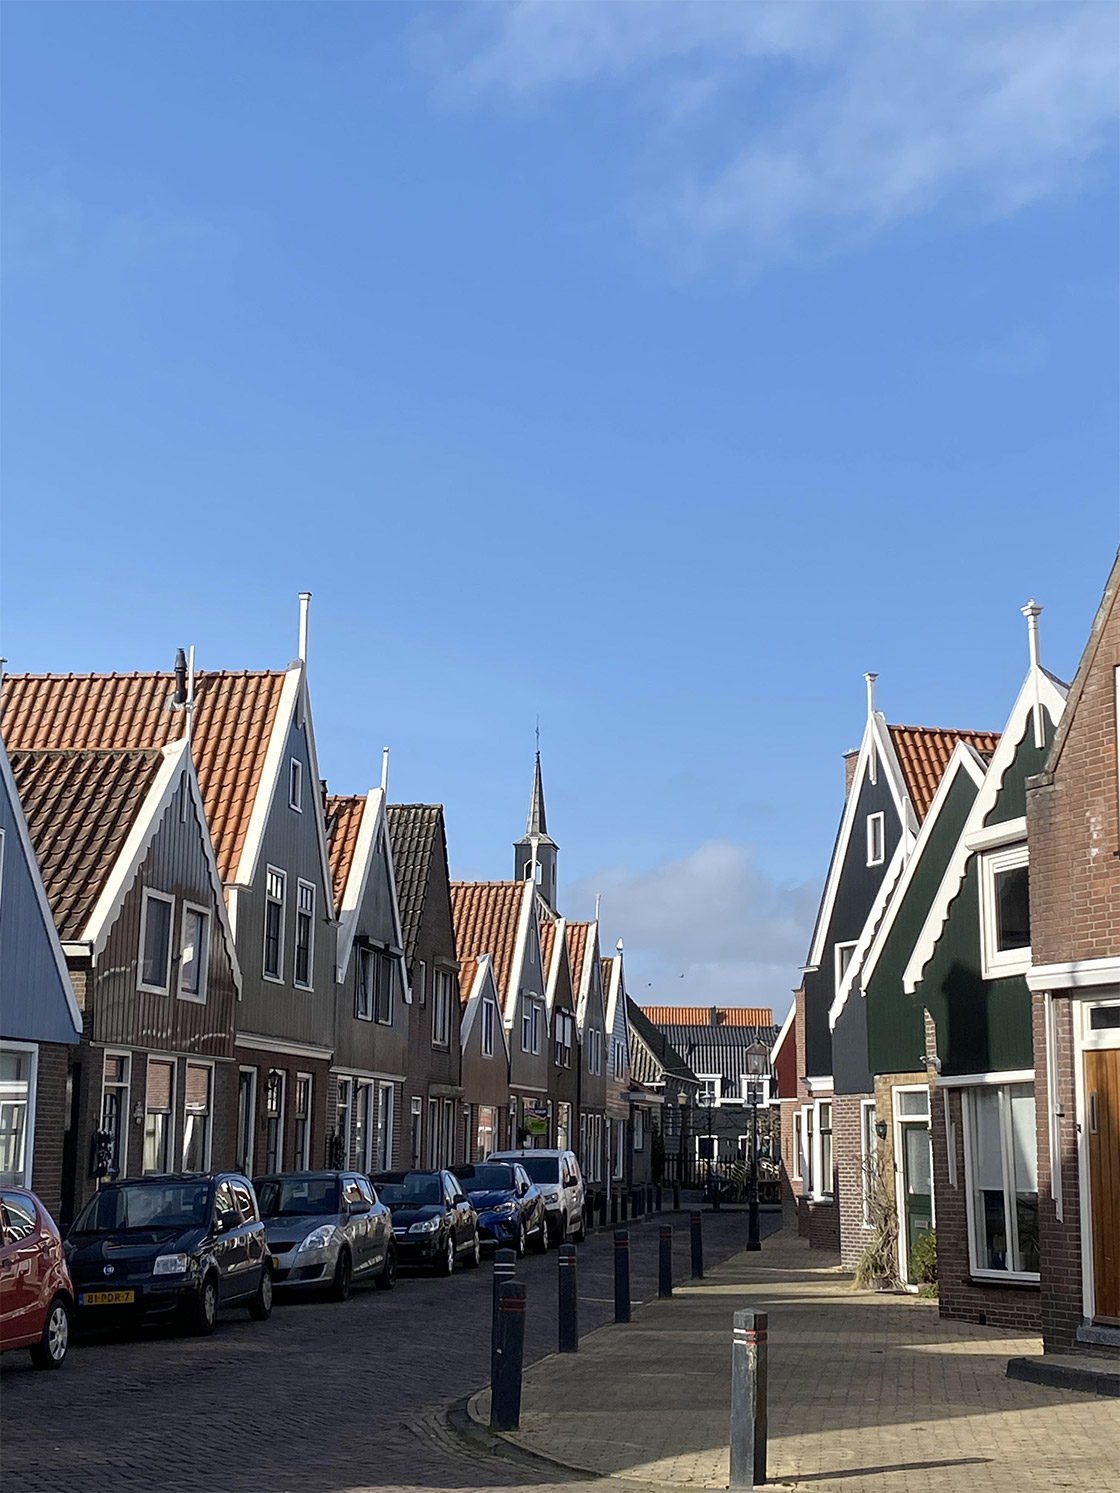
pixel 843 956
pixel 1005 912
pixel 295 785
pixel 876 839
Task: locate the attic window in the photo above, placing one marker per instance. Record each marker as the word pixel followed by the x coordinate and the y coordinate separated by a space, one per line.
pixel 876 839
pixel 1005 912
pixel 843 956
pixel 295 785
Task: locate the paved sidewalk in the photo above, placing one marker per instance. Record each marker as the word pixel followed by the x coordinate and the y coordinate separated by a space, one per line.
pixel 868 1393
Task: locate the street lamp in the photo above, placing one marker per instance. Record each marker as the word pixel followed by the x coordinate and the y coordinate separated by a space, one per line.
pixel 707 1098
pixel 758 1057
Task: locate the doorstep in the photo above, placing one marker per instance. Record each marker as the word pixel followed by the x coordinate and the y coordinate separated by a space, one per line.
pixel 1068 1371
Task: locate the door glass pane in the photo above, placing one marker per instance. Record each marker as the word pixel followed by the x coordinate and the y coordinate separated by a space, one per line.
pixel 914 1103
pixel 919 1180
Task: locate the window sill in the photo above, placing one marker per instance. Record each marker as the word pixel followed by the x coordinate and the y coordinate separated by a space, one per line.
pixel 195 1000
pixel 1004 1279
pixel 153 989
pixel 273 979
pixel 307 989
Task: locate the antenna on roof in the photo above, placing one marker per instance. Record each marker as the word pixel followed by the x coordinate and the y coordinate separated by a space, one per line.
pixel 598 899
pixel 304 605
pixel 872 764
pixel 1032 611
pixel 385 770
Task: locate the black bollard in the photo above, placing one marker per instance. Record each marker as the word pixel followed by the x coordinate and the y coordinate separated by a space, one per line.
pixel 622 1275
pixel 505 1264
pixel 509 1353
pixel 602 1210
pixel 665 1260
pixel 748 1400
pixel 696 1240
pixel 676 1197
pixel 568 1300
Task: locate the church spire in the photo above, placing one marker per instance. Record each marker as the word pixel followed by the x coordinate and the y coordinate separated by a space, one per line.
pixel 534 855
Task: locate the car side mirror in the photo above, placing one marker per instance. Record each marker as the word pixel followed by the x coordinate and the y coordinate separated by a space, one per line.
pixel 521 1189
pixel 460 1197
pixel 229 1219
pixel 358 1205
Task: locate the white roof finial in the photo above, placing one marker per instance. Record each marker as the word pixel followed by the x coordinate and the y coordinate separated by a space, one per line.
pixel 1032 611
pixel 870 678
pixel 304 604
pixel 385 770
pixel 618 945
pixel 598 899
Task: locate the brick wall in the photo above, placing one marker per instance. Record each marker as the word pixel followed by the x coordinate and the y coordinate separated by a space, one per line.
pixel 50 1125
pixel 847 1146
pixel 960 1297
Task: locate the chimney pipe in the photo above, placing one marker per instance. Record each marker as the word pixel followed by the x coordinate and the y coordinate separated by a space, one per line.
pixel 385 770
pixel 304 604
pixel 871 678
pixel 179 698
pixel 1032 611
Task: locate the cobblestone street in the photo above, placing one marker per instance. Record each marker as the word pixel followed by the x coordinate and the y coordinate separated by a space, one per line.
pixel 323 1398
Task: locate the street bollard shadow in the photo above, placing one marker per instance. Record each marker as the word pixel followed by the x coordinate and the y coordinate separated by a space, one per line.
pixel 821 1477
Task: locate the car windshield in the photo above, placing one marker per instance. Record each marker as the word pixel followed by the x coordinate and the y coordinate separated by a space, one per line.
pixel 491 1178
pixel 166 1205
pixel 416 1190
pixel 542 1168
pixel 289 1197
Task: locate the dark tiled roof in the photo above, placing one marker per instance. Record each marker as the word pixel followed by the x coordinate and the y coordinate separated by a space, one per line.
pixel 344 815
pixel 718 1049
pixel 80 807
pixel 702 1015
pixel 486 917
pixel 414 834
pixel 232 725
pixel 923 754
pixel 667 1061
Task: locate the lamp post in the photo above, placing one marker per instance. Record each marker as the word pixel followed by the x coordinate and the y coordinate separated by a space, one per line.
pixel 758 1056
pixel 707 1099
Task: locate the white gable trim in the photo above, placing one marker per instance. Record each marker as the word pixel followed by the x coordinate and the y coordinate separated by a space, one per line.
pixel 1040 688
pixel 877 738
pixel 965 759
pixel 867 932
pixel 49 928
pixel 559 954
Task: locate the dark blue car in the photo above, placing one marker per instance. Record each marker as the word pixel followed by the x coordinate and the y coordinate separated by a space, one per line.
pixel 510 1206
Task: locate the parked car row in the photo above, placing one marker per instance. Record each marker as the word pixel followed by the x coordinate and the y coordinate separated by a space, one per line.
pixel 183 1246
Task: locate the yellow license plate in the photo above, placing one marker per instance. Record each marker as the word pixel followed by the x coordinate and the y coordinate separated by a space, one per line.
pixel 107 1298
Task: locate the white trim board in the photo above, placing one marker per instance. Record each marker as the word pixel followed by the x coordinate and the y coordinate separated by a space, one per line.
pixel 866 937
pixel 1076 974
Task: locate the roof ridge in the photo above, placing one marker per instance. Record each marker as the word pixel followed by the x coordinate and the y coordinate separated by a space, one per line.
pixel 943 730
pixel 148 674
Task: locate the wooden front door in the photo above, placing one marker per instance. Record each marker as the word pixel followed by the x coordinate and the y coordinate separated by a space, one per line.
pixel 1102 1090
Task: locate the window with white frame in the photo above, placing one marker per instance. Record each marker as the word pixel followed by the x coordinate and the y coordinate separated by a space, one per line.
pixel 824 1147
pixel 441 1007
pixel 869 1158
pixel 639 1129
pixel 420 983
pixel 295 785
pixel 797 1148
pixel 305 935
pixel 842 956
pixel 488 1015
pixel 562 1040
pixel 344 1106
pixel 1005 912
pixel 531 1024
pixel 197 1111
pixel 156 913
pixel 594 1040
pixel 159 1115
pixel 363 984
pixel 618 1058
pixel 246 1119
pixel 1002 1170
pixel 301 1115
pixel 816 1148
pixel 16 1112
pixel 710 1088
pixel 385 974
pixel 275 883
pixel 484 1136
pixel 364 1118
pixel 384 1138
pixel 274 1120
pixel 195 953
pixel 876 839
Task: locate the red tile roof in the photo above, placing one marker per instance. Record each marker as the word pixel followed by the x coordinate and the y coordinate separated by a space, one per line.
pixel 233 719
pixel 548 940
pixel 577 953
pixel 80 807
pixel 344 814
pixel 486 916
pixel 701 1015
pixel 923 754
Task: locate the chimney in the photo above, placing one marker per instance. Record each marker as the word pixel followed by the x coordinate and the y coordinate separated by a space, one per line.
pixel 850 760
pixel 304 605
pixel 713 1016
pixel 179 698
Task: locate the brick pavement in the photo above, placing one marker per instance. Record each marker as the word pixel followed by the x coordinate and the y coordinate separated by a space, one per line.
pixel 868 1393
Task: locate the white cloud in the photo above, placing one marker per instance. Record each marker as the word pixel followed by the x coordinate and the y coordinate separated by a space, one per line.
pixel 711 917
pixel 803 127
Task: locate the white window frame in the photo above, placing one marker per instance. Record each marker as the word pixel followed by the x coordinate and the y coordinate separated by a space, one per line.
pixel 876 823
pixel 639 1129
pixel 535 1009
pixel 808 1161
pixel 868 1154
pixel 795 1167
pixel 302 1157
pixel 489 1015
pixel 32 1048
pixel 839 968
pixel 363 982
pixel 149 894
pixel 199 997
pixel 344 1129
pixel 441 1007
pixel 193 1062
pixel 172 1128
pixel 710 1083
pixel 281 1117
pixel 385 1111
pixel 997 963
pixel 295 784
pixel 364 1121
pixel 280 901
pixel 386 967
pixel 1007 1160
pixel 245 1162
pixel 308 913
pixel 825 1194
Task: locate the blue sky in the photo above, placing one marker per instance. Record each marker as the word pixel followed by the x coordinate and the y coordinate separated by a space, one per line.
pixel 654 368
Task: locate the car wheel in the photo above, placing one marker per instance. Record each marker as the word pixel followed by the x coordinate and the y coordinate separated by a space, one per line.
pixel 522 1239
pixel 446 1265
pixel 204 1310
pixel 474 1254
pixel 343 1271
pixel 50 1350
pixel 388 1277
pixel 260 1308
pixel 540 1244
pixel 581 1232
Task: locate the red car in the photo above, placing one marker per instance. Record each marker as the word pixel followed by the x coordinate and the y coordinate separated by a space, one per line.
pixel 36 1297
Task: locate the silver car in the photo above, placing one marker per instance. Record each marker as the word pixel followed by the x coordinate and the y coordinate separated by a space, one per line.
pixel 325 1231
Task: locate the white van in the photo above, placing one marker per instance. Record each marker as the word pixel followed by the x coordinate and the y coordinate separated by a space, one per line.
pixel 559 1178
